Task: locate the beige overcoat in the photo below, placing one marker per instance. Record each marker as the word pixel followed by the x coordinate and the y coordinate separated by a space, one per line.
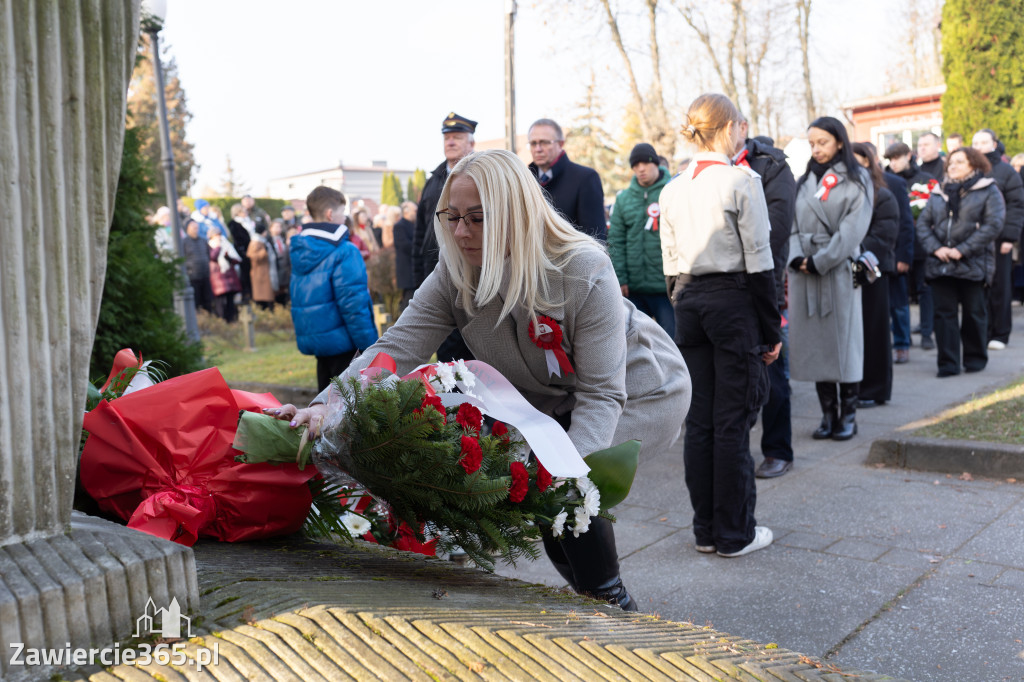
pixel 629 382
pixel 826 330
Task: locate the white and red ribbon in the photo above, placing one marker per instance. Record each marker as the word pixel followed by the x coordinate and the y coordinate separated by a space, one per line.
pixel 548 336
pixel 494 395
pixel 653 212
pixel 827 183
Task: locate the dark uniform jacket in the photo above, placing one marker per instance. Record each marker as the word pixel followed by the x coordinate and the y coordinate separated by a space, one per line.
pixel 424 241
pixel 1010 185
pixel 885 226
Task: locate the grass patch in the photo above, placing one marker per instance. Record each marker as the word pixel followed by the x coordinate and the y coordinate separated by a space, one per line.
pixel 276 360
pixel 993 418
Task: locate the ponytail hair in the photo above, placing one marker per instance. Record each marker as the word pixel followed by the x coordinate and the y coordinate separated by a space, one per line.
pixel 706 122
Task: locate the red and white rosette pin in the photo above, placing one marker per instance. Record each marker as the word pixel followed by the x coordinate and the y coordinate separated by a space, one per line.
pixel 827 183
pixel 548 335
pixel 653 212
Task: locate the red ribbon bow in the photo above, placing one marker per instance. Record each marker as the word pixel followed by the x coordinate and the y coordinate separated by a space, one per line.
pixel 548 335
pixel 827 183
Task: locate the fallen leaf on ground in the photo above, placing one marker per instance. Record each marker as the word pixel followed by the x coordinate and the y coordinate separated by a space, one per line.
pixel 966 477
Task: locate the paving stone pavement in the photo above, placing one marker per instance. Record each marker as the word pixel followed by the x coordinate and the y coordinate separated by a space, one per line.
pixel 914 574
pixel 297 610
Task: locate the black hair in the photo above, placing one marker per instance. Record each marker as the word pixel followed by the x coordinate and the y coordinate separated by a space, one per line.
pixel 837 130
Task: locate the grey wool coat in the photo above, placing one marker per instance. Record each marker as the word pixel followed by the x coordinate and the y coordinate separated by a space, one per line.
pixel 826 331
pixel 629 382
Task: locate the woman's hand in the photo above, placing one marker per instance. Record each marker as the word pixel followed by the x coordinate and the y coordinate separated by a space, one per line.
pixel 942 253
pixel 954 254
pixel 772 355
pixel 313 415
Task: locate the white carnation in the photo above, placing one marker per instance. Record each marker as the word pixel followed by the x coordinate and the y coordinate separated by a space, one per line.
pixel 465 376
pixel 446 376
pixel 585 485
pixel 558 525
pixel 355 524
pixel 592 502
pixel 581 522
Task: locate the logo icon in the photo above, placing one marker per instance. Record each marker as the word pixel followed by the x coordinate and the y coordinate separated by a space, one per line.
pixel 171 620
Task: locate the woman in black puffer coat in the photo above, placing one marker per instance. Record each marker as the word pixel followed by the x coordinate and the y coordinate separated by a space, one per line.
pixel 958 228
pixel 876 386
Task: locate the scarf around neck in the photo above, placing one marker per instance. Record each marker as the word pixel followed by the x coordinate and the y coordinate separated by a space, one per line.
pixel 956 190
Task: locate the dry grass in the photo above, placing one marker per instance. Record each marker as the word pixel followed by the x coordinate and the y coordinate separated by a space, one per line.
pixel 995 418
pixel 275 360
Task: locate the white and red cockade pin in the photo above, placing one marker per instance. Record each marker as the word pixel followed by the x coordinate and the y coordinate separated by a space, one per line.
pixel 548 336
pixel 653 212
pixel 827 183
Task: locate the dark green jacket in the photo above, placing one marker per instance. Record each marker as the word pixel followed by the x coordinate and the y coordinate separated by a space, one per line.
pixel 636 252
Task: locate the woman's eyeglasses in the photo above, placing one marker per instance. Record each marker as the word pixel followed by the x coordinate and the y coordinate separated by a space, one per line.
pixel 474 221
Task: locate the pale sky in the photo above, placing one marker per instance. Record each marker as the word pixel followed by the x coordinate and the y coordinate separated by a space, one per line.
pixel 292 86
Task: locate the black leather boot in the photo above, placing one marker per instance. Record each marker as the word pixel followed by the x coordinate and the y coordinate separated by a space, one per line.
pixel 594 563
pixel 829 410
pixel 846 427
pixel 553 548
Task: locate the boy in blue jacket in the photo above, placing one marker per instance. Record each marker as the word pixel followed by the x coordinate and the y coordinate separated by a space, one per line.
pixel 331 306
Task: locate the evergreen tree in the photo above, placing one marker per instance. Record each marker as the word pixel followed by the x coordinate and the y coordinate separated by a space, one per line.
pixel 142 111
pixel 410 191
pixel 391 190
pixel 419 181
pixel 588 142
pixel 983 65
pixel 137 309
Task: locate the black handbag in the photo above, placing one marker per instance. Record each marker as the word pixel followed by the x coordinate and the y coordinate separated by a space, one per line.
pixel 865 269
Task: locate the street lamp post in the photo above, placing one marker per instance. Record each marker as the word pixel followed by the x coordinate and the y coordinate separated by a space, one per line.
pixel 153 13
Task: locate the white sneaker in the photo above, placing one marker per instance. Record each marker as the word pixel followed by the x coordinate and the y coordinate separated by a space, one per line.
pixel 996 344
pixel 762 538
pixel 705 549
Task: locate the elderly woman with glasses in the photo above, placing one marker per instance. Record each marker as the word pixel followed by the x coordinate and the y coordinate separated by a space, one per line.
pixel 509 262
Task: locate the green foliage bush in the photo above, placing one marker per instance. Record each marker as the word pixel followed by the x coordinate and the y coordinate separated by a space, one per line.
pixel 137 310
pixel 983 65
pixel 391 190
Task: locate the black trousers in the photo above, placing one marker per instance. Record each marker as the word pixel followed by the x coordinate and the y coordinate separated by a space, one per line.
pixel 330 366
pixel 877 381
pixel 718 334
pixel 950 294
pixel 590 562
pixel 1000 297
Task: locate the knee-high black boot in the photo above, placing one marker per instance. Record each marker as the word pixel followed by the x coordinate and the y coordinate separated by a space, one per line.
pixel 846 427
pixel 593 563
pixel 829 410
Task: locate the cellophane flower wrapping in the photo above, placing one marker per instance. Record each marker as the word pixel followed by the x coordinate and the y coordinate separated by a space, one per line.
pixel 161 458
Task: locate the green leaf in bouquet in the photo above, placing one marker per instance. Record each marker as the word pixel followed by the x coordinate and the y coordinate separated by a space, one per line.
pixel 612 471
pixel 265 439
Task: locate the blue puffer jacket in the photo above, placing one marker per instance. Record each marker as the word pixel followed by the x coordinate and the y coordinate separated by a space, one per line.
pixel 331 306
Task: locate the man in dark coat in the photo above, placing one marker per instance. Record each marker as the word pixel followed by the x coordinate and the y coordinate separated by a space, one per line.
pixel 929 156
pixel 404 230
pixel 901 176
pixel 574 190
pixel 761 156
pixel 1000 315
pixel 458 143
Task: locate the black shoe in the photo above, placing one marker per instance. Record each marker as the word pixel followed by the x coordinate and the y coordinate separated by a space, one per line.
pixel 864 404
pixel 927 343
pixel 971 370
pixel 916 330
pixel 943 373
pixel 772 468
pixel 616 594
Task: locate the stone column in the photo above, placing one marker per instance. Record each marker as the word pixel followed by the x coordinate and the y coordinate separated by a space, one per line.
pixel 64 70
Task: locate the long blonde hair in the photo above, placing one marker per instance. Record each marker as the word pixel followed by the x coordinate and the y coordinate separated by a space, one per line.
pixel 521 234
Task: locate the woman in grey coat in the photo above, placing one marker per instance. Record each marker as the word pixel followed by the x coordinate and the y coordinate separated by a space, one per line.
pixel 834 203
pixel 958 228
pixel 507 258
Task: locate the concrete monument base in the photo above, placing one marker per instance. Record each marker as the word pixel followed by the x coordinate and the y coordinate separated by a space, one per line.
pixel 86 589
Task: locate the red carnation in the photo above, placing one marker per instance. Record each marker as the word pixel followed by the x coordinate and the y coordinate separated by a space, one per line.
pixel 434 402
pixel 520 482
pixel 543 478
pixel 469 417
pixel 472 455
pixel 499 430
